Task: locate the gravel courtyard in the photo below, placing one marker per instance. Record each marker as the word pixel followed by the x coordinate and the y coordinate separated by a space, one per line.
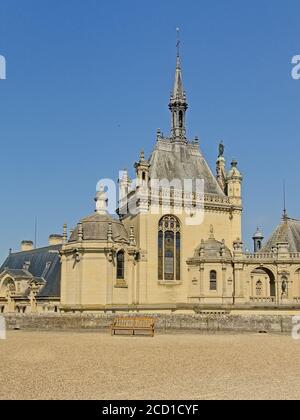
pixel 50 365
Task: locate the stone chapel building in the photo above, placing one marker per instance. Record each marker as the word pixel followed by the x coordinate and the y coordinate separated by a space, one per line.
pixel 156 258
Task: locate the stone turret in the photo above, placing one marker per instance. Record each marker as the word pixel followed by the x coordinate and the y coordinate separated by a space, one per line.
pixel 234 184
pixel 142 170
pixel 258 240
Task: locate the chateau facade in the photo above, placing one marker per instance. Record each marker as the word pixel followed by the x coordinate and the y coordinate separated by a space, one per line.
pixel 178 250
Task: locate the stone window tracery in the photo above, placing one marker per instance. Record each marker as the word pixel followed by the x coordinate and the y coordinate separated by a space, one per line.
pixel 259 288
pixel 169 249
pixel 213 281
pixel 120 265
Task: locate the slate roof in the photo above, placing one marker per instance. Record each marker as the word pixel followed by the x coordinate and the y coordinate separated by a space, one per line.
pixel 287 231
pixel 171 160
pixel 19 273
pixel 44 265
pixel 95 228
pixel 212 249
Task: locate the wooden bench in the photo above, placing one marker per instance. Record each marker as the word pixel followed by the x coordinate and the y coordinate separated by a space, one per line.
pixel 133 324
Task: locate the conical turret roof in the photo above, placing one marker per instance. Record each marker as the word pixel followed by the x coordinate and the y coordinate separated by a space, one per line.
pixel 287 231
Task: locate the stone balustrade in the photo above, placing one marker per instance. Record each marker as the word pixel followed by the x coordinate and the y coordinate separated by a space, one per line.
pixel 271 256
pixel 262 300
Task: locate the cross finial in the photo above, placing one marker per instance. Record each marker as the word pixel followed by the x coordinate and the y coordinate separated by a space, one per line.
pixel 284 200
pixel 178 41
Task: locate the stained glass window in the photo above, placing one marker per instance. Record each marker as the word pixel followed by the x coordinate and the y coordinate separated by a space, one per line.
pixel 169 244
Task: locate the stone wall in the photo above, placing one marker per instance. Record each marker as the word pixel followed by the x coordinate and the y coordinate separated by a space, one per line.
pixel 165 323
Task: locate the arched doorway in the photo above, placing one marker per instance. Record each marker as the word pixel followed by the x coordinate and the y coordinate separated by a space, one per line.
pixel 263 286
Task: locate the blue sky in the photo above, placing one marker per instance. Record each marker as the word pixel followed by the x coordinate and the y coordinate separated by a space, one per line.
pixel 88 84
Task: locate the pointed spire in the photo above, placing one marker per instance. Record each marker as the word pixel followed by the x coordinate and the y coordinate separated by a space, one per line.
pixel 142 156
pixel 178 103
pixel 178 91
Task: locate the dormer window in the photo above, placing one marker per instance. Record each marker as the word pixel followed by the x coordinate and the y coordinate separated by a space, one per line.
pixel 26 265
pixel 45 272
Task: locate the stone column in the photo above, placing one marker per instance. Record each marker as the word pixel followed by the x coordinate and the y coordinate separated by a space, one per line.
pixel 268 286
pixel 110 277
pixel 136 283
pixel 290 290
pixel 278 291
pixel 252 287
pixel 201 283
pixel 142 274
pixel 224 269
pixel 10 304
pixel 133 292
pixel 239 284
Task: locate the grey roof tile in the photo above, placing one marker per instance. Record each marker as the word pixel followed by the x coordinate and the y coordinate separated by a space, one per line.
pixel 171 160
pixel 38 259
pixel 95 227
pixel 287 231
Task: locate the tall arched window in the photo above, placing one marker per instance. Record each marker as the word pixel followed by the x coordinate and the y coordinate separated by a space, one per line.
pixel 259 288
pixel 120 265
pixel 169 248
pixel 180 119
pixel 213 280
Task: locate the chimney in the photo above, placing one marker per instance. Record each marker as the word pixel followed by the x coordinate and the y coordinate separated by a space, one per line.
pixel 27 246
pixel 55 240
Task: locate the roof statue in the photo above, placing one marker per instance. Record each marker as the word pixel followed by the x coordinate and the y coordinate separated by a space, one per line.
pixel 221 149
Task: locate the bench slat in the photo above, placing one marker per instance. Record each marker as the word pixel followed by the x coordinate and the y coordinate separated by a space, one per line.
pixel 133 324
